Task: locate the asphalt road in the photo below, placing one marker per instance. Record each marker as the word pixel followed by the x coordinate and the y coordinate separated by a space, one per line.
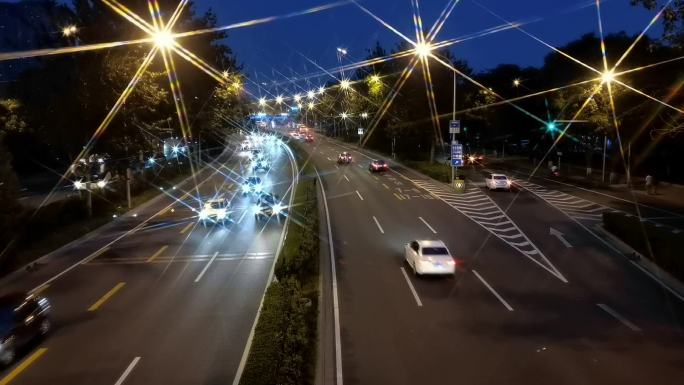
pixel 525 308
pixel 157 298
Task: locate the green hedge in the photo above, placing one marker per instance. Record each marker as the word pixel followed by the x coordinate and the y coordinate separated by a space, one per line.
pixel 659 244
pixel 438 171
pixel 284 346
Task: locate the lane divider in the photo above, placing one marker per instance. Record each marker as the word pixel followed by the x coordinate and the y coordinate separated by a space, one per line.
pixel 428 225
pixel 618 317
pixel 378 224
pixel 128 371
pixel 158 253
pixel 359 194
pixel 23 366
pixel 491 289
pixel 186 228
pixel 413 289
pixel 106 297
pixel 206 267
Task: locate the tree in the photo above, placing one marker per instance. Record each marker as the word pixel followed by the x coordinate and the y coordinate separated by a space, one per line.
pixel 10 121
pixel 673 18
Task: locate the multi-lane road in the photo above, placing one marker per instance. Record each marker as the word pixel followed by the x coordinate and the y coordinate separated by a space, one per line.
pixel 156 297
pixel 531 305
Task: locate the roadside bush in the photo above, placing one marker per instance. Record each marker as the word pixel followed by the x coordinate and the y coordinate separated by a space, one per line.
pixel 438 171
pixel 659 244
pixel 280 338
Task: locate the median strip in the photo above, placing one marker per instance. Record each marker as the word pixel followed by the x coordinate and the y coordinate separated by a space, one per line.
pixel 158 253
pixel 378 224
pixel 359 194
pixel 206 267
pixel 106 297
pixel 500 298
pixel 23 366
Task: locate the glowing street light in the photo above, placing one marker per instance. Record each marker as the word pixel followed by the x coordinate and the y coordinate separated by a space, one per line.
pixel 345 84
pixel 279 99
pixel 342 51
pixel 297 97
pixel 344 115
pixel 321 90
pixel 423 49
pixel 311 105
pixel 516 82
pixel 311 94
pixel 364 115
pixel 262 101
pixel 375 78
pixel 163 39
pixel 608 77
pixel 69 30
pixel 225 74
pixel 551 126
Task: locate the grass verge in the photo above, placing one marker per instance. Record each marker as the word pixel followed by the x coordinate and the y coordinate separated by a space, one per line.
pixel 283 350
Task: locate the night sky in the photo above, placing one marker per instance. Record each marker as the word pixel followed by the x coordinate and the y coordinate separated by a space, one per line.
pixel 279 44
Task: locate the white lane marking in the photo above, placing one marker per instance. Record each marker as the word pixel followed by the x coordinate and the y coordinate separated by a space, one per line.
pixel 242 216
pixel 413 289
pixel 206 267
pixel 345 177
pixel 503 301
pixel 250 338
pixel 329 158
pixel 337 167
pixel 618 317
pixel 333 272
pixel 428 225
pixel 378 223
pixel 359 194
pixel 128 371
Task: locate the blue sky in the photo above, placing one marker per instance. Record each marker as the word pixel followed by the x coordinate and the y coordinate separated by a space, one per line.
pixel 280 44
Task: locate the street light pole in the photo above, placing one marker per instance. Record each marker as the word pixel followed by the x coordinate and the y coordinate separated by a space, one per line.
pixel 603 168
pixel 453 135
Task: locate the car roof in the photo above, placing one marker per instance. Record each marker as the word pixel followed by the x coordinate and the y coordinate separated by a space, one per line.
pixel 499 175
pixel 431 243
pixel 221 199
pixel 378 160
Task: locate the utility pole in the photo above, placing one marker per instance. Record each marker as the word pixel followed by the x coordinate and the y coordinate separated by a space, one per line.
pixel 89 196
pixel 603 167
pixel 453 135
pixel 129 176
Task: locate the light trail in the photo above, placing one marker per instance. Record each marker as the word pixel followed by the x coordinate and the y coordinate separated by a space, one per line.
pixel 67 50
pixel 384 24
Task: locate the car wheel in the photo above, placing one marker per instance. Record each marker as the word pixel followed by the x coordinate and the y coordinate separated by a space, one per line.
pixel 7 356
pixel 45 327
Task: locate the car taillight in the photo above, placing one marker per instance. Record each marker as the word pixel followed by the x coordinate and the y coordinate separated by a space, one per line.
pixel 451 262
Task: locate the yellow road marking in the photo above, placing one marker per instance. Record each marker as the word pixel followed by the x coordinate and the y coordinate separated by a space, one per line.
pixel 186 228
pixel 21 367
pixel 105 297
pixel 385 186
pixel 158 253
pixel 398 196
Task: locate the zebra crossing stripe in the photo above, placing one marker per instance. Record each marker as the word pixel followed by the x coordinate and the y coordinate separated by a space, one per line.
pixel 481 209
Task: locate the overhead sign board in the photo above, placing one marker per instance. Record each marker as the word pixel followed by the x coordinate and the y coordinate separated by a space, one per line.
pixel 360 130
pixel 454 126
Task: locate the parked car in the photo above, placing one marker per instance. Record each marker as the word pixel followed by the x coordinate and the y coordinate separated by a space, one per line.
pixel 23 319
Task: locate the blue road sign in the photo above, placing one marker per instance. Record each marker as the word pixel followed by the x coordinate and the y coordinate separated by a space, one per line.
pixel 454 126
pixel 457 155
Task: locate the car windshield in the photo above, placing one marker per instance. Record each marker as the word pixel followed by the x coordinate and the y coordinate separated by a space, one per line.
pixel 500 177
pixel 435 251
pixel 215 205
pixel 380 162
pixel 254 180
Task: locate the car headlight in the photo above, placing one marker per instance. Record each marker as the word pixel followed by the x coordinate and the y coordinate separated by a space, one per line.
pixel 258 188
pixel 101 184
pixel 256 209
pixel 245 188
pixel 203 214
pixel 78 185
pixel 277 208
pixel 221 214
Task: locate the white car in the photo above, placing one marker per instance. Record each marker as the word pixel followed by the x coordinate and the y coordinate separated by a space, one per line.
pixel 215 210
pixel 497 181
pixel 429 257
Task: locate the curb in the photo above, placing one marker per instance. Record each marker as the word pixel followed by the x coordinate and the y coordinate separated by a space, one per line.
pixel 639 260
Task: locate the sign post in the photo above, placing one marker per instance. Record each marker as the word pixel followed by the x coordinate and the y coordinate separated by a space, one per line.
pixel 360 132
pixel 456 148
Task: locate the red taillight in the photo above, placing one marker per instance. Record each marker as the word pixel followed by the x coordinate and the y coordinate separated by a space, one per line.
pixel 451 262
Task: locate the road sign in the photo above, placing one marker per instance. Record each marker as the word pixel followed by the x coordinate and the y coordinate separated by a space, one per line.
pixel 454 126
pixel 360 130
pixel 457 155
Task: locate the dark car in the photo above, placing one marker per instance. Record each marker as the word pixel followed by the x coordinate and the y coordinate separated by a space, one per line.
pixel 269 206
pixel 344 158
pixel 378 165
pixel 23 318
pixel 252 185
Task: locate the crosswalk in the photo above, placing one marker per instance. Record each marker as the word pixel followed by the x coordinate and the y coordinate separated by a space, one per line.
pixel 587 212
pixel 481 209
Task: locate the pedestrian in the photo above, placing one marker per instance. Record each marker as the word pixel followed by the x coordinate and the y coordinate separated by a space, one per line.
pixel 649 184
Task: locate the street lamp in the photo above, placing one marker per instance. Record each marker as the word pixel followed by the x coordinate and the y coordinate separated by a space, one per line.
pixel 311 105
pixel 297 97
pixel 342 51
pixel 321 90
pixel 375 78
pixel 163 39
pixel 262 101
pixel 345 84
pixel 608 77
pixel 344 115
pixel 311 94
pixel 516 82
pixel 423 49
pixel 279 99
